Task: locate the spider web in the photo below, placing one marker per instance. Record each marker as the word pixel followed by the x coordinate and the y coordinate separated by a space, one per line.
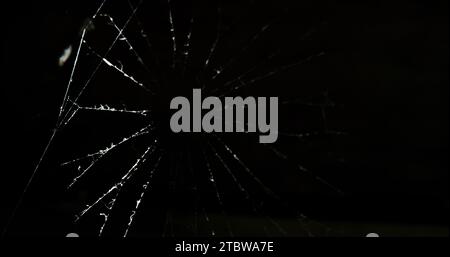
pixel 107 47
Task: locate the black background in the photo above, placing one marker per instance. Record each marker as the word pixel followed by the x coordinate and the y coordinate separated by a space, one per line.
pixel 385 68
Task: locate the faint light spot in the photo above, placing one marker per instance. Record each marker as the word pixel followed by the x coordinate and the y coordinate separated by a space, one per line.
pixel 65 56
pixel 72 235
pixel 87 25
pixel 373 235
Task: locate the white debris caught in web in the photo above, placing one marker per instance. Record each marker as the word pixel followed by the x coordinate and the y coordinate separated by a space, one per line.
pixel 65 56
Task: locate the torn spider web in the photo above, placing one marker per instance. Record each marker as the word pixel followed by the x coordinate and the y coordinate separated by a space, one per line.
pixel 124 57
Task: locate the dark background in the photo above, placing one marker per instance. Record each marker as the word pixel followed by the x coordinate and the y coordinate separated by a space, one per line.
pixel 385 68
